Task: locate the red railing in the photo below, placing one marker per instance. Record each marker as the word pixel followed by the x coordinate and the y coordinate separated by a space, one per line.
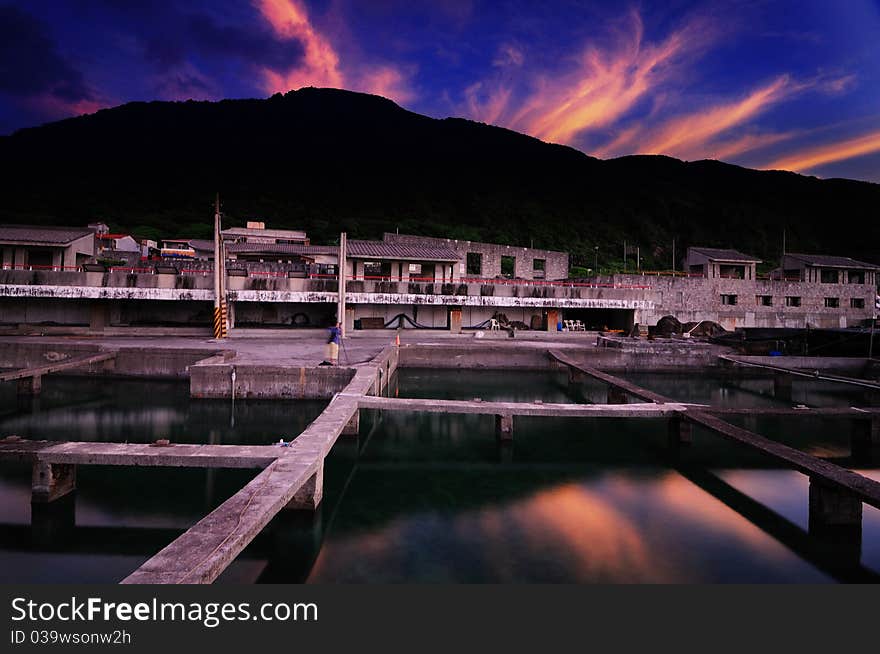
pixel 27 266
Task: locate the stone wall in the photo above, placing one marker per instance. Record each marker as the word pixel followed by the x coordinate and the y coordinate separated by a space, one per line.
pixel 699 298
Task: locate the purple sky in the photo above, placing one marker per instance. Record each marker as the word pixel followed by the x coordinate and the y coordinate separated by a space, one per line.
pixel 762 83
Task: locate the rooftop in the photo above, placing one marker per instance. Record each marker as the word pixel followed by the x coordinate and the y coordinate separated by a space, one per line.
pixel 722 254
pixel 831 261
pixel 265 233
pixel 382 250
pixel 280 248
pixel 36 234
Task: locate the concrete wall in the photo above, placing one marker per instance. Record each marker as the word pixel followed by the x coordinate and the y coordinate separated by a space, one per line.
pixel 130 361
pixel 506 357
pixel 214 380
pixel 556 263
pixel 697 298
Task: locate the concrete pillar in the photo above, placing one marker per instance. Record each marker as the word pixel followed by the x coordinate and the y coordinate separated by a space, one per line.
pixel 455 320
pixel 231 313
pixel 679 431
pixel 49 481
pixel 358 269
pixel 166 280
pixel 505 451
pixel 349 319
pixel 99 315
pixel 552 319
pixel 782 386
pixel 52 523
pixel 353 426
pixel 617 396
pixel 865 438
pixel 309 496
pixel 504 427
pixel 30 385
pixel 833 508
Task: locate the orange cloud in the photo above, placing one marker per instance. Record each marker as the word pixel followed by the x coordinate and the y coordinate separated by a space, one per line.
pixel 386 81
pixel 691 136
pixel 813 157
pixel 321 64
pixel 603 85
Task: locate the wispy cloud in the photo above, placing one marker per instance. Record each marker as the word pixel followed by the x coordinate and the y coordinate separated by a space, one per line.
pixel 321 63
pixel 694 135
pixel 812 157
pixel 601 86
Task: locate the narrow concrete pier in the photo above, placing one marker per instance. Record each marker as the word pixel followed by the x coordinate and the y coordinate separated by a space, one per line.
pixel 30 380
pixel 294 481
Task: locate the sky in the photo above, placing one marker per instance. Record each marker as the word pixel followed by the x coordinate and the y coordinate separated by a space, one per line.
pixel 791 85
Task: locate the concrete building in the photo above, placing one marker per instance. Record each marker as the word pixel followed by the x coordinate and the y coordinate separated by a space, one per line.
pixel 116 242
pixel 824 269
pixel 715 263
pixel 42 248
pixel 414 281
pixel 491 260
pixel 256 232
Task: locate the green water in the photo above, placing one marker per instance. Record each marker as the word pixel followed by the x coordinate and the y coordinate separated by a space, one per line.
pixel 434 497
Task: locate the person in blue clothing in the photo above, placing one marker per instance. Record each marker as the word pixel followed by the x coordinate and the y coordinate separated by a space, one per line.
pixel 335 333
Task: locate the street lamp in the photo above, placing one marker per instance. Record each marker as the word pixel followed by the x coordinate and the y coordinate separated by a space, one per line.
pixel 596 267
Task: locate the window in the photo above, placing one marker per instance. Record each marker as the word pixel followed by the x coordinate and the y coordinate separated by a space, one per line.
pixel 857 302
pixel 832 302
pixel 829 276
pixel 732 272
pixel 538 266
pixel 415 269
pixel 792 301
pixel 474 263
pixel 764 300
pixel 856 277
pixel 508 266
pixel 729 300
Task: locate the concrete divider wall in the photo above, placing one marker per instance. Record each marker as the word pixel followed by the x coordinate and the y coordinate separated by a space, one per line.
pixel 536 358
pixel 30 355
pixel 214 380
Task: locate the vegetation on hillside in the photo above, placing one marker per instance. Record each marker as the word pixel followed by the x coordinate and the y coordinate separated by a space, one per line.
pixel 327 160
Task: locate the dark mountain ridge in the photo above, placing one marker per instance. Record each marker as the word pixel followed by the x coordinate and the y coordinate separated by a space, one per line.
pixel 327 160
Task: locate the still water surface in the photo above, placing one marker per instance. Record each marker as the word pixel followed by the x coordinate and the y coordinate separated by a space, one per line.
pixel 433 498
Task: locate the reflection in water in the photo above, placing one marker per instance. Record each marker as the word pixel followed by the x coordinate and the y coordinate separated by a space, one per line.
pixel 124 515
pixel 620 528
pixel 432 497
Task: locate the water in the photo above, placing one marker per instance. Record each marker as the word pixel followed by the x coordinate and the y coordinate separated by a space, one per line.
pixel 124 515
pixel 434 497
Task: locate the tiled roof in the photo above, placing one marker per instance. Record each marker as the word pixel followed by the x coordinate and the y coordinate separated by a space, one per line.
pixel 382 250
pixel 832 261
pixel 280 248
pixel 42 235
pixel 721 254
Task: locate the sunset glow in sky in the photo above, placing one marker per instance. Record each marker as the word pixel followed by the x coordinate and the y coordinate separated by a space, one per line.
pixel 761 83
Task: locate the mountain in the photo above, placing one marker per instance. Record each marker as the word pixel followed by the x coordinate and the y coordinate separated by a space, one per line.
pixel 327 160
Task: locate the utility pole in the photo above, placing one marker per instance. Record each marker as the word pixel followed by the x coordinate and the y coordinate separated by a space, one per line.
pixel 596 269
pixel 624 256
pixel 220 316
pixel 673 257
pixel 341 268
pixel 638 258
